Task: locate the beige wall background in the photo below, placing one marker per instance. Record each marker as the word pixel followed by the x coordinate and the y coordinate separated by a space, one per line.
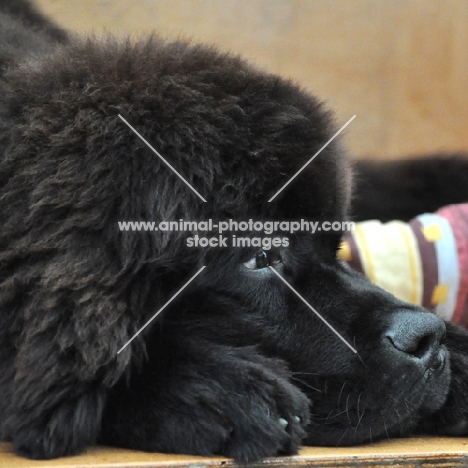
pixel 400 65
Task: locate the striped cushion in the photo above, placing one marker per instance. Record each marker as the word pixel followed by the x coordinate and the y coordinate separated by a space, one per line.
pixel 424 262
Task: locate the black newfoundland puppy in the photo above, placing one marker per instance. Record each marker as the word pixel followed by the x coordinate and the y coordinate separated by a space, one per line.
pixel 237 364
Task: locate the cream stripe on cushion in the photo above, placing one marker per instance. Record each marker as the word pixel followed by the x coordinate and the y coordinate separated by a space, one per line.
pixel 390 258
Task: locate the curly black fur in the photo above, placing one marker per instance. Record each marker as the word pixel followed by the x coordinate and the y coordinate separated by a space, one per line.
pixel 237 365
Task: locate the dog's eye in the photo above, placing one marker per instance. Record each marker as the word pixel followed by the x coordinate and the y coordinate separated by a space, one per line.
pixel 261 260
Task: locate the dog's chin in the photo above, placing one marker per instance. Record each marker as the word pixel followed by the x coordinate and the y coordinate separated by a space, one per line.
pixel 399 417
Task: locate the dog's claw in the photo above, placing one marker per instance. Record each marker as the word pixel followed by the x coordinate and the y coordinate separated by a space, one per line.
pixel 297 419
pixel 283 422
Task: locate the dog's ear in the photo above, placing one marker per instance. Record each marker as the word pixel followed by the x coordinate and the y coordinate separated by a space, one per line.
pixel 452 418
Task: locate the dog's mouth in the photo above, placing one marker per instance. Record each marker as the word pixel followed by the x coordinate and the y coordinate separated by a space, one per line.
pixel 437 365
pixel 353 413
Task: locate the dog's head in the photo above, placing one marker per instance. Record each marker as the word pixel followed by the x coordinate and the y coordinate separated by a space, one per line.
pixel 238 135
pixel 371 364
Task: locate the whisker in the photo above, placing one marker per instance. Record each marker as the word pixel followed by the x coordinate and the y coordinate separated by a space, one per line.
pixel 335 415
pixel 341 438
pixel 305 373
pixel 359 421
pixel 341 391
pixel 385 424
pixel 347 409
pixel 399 419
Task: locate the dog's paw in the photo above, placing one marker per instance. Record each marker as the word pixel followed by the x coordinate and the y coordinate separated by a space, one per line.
pixel 244 409
pixel 267 418
pixel 265 423
pixel 64 431
pixel 36 443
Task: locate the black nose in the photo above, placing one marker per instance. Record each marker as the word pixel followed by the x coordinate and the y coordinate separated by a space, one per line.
pixel 417 334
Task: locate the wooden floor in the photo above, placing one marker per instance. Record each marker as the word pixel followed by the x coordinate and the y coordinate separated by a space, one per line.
pixel 414 452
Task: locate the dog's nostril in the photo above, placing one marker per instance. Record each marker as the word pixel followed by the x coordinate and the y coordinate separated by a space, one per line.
pixel 418 334
pixel 413 346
